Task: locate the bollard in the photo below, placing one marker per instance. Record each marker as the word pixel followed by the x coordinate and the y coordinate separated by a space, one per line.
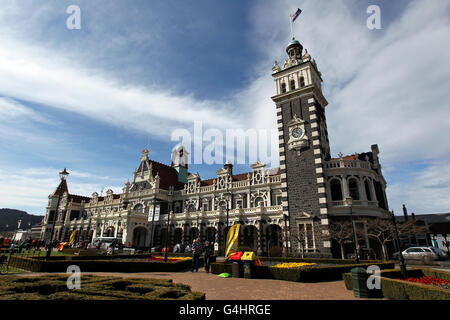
pixel 360 288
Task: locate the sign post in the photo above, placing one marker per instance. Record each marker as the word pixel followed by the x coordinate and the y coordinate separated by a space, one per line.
pixel 153 217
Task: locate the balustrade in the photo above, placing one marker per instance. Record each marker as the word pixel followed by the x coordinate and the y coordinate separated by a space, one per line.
pixel 358 164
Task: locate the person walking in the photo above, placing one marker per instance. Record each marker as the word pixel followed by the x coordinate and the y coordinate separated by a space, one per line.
pixel 196 249
pixel 208 253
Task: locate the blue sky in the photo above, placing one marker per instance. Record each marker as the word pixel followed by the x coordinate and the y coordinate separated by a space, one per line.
pixel 90 99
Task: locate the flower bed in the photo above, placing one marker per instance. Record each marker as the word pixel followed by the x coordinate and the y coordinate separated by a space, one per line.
pixel 293 265
pixel 169 259
pixel 437 282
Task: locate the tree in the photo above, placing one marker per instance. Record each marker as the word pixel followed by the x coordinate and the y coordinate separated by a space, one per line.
pixel 382 231
pixel 301 237
pixel 341 232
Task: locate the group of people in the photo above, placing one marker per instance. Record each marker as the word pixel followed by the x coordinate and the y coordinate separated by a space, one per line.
pixel 197 249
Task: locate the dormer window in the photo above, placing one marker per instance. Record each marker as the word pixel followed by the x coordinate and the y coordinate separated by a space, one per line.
pixel 283 87
pixel 292 85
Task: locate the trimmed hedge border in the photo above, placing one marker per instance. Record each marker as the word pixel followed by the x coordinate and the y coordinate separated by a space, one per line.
pixel 305 274
pixel 100 265
pixel 395 289
pixel 321 260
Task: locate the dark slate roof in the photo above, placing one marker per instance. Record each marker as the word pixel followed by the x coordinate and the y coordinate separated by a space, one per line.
pixel 78 199
pixel 61 188
pixel 168 176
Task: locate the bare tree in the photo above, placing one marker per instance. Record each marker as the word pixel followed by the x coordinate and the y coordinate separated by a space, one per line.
pixel 341 232
pixel 301 237
pixel 382 231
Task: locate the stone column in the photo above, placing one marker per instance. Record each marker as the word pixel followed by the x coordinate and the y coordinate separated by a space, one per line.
pixel 345 187
pixel 362 190
pixel 260 235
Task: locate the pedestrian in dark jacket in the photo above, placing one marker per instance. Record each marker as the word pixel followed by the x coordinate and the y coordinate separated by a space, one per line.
pixel 196 250
pixel 208 252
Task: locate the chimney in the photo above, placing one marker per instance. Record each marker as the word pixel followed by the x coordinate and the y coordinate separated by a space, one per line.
pixel 405 212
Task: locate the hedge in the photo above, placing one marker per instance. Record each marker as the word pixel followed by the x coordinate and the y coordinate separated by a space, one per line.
pixel 54 287
pixel 395 289
pixel 111 265
pixel 304 274
pixel 320 260
pixel 310 274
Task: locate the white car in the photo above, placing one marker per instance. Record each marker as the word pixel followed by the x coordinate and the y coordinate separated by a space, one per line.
pixel 440 253
pixel 420 254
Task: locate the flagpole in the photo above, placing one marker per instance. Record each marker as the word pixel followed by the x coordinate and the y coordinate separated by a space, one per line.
pixel 292 27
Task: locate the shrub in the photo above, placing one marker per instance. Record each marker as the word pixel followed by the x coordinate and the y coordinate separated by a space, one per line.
pixel 403 290
pixel 94 287
pixel 275 251
pixel 305 274
pixel 112 265
pixel 396 289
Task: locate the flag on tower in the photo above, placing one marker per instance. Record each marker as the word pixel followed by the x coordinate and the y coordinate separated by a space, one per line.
pixel 296 14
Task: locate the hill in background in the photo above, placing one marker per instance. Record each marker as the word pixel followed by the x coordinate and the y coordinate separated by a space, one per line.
pixel 9 218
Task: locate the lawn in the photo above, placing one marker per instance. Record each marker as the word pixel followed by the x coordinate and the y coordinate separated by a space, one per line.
pixel 54 287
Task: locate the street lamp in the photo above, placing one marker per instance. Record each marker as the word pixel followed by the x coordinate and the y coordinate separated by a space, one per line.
pixel 62 175
pixel 228 195
pixel 198 227
pixel 397 241
pixel 349 202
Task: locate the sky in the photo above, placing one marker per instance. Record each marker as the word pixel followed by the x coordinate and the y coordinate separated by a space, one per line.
pixel 139 72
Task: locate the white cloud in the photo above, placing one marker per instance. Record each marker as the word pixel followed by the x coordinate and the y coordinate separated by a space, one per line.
pixel 28 189
pixel 385 86
pixel 11 110
pixel 427 192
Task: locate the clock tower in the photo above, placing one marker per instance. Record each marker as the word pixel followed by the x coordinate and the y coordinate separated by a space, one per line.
pixel 303 147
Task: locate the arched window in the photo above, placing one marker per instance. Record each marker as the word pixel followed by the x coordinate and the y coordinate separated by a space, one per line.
pixel 302 82
pixel 283 87
pixel 380 195
pixel 353 188
pixel 139 208
pixel 367 187
pixel 336 190
pixel 292 84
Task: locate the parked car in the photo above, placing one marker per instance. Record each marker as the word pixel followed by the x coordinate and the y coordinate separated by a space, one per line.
pixel 420 254
pixel 440 253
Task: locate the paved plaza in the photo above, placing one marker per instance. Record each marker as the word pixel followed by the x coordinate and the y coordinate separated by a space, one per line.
pixel 244 289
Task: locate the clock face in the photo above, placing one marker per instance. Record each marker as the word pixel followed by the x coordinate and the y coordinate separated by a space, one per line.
pixel 297 133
